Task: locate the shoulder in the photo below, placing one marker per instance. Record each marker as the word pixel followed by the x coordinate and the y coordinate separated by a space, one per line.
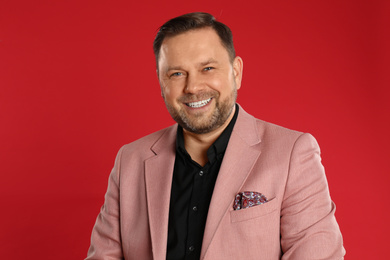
pixel 270 136
pixel 248 126
pixel 146 145
pixel 276 131
pixel 273 132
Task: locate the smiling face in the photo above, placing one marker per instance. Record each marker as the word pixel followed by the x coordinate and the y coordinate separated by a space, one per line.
pixel 198 80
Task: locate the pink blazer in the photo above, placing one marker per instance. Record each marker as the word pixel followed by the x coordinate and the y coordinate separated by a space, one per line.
pixel 297 223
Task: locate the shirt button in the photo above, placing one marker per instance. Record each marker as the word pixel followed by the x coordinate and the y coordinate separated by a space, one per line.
pixel 195 208
pixel 191 248
pixel 201 173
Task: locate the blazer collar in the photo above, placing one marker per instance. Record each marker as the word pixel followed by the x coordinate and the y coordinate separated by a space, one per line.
pixel 246 128
pixel 240 156
pixel 158 180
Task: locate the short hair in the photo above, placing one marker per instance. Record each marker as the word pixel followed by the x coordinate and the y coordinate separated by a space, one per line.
pixel 192 21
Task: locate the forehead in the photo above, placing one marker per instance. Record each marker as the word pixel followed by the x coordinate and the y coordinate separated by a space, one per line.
pixel 195 45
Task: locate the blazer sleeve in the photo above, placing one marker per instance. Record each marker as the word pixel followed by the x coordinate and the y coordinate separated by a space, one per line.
pixel 308 225
pixel 105 238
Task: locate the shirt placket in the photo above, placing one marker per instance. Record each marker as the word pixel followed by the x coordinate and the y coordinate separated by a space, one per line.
pixel 193 214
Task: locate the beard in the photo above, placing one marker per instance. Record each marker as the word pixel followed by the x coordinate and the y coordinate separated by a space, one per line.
pixel 199 123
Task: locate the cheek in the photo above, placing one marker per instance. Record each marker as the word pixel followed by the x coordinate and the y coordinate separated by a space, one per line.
pixel 170 93
pixel 215 83
pixel 221 81
pixel 223 86
pixel 165 89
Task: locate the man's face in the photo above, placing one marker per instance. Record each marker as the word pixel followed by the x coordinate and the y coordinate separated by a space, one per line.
pixel 198 80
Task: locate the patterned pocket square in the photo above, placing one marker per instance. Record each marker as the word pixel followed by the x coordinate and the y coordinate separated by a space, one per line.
pixel 248 199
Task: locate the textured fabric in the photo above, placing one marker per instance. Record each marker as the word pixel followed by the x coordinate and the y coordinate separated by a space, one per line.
pixel 297 223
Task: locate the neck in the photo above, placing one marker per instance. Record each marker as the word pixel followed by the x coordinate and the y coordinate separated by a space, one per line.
pixel 197 144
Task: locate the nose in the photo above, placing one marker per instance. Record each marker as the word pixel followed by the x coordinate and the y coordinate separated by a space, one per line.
pixel 194 84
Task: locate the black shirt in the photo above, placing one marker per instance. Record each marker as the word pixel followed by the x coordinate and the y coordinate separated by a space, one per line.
pixel 192 188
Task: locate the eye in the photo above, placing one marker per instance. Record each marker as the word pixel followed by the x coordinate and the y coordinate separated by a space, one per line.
pixel 208 68
pixel 176 74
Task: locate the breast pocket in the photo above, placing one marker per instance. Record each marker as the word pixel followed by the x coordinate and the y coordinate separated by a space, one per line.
pixel 254 212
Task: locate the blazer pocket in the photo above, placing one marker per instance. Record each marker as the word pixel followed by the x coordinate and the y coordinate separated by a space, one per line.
pixel 253 212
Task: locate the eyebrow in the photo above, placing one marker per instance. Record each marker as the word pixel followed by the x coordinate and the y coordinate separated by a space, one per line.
pixel 174 68
pixel 201 64
pixel 208 62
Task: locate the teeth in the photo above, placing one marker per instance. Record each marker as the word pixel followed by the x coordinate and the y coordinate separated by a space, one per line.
pixel 199 103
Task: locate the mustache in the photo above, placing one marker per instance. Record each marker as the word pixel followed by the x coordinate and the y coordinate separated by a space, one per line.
pixel 187 98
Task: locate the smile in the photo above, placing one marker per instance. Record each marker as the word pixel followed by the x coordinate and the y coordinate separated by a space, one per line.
pixel 198 104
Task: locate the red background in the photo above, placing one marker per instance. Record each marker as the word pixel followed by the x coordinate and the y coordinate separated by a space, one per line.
pixel 77 81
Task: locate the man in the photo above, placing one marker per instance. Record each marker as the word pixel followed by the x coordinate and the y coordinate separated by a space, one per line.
pixel 220 184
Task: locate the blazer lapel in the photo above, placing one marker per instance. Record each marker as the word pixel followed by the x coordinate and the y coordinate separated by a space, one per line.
pixel 158 179
pixel 238 161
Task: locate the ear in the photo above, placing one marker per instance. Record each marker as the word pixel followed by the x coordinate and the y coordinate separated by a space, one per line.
pixel 158 74
pixel 159 82
pixel 237 71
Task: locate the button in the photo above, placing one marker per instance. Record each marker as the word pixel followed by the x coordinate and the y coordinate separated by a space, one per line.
pixel 195 208
pixel 191 248
pixel 201 173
